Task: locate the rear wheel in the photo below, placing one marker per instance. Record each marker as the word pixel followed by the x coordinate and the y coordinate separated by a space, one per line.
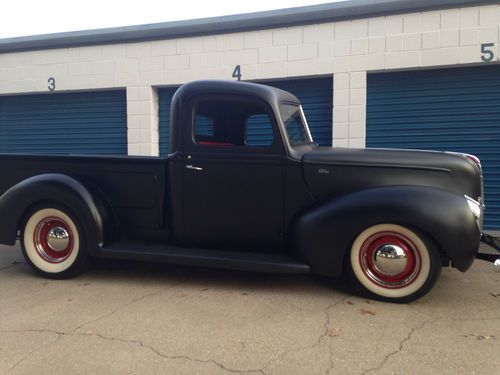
pixel 53 243
pixel 394 263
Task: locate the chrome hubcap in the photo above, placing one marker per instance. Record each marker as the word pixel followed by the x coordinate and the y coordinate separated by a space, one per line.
pixel 390 259
pixel 58 238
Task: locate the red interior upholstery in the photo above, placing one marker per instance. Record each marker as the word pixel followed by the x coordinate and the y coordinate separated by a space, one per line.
pixel 212 143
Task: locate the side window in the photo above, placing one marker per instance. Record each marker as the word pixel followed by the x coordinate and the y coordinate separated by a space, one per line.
pixel 232 123
pixel 258 131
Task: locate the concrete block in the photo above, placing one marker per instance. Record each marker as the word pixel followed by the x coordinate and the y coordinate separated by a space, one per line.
pixel 357 142
pixel 341 98
pixel 341 81
pixel 376 44
pixel 469 37
pixel 102 81
pixel 431 21
pixel 357 115
pixel 103 67
pixel 450 38
pixel 127 65
pixel 341 115
pixel 376 26
pixel 394 43
pixel 145 93
pixel 450 19
pixel 206 60
pixel 359 46
pixel 357 96
pixel 367 62
pixel 359 29
pixel 303 51
pixel 182 46
pixel 319 33
pixel 431 39
pixel 394 24
pixel 272 70
pixel 195 45
pixel 343 30
pixel 163 47
pixel 326 50
pixel 469 17
pixel 412 23
pixel 400 60
pixel 256 39
pixel 236 41
pixel 340 130
pixel 127 79
pixel 133 94
pixel 152 63
pixel 357 129
pixel 91 53
pixel 442 56
pixel 342 47
pixel 176 62
pixel 79 69
pixel 488 34
pixel 337 65
pixel 357 80
pixel 65 55
pixel 114 51
pixel 14 59
pixel 209 44
pixel 412 42
pixel 272 54
pixel 489 15
pixel 470 54
pixel 243 57
pixel 46 71
pixel 133 121
pixel 136 50
pixel 248 72
pixel 343 142
pixel 134 135
pixel 284 37
pixel 133 107
pixel 134 149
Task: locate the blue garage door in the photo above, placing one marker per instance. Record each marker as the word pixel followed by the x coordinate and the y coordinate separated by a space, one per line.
pixel 63 123
pixel 447 110
pixel 315 94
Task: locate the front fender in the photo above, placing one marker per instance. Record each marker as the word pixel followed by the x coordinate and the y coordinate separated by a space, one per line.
pixel 57 188
pixel 323 235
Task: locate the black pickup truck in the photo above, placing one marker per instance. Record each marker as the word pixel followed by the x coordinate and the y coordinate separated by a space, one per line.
pixel 245 187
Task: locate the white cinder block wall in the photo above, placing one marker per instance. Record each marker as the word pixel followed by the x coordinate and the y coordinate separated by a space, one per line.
pixel 348 50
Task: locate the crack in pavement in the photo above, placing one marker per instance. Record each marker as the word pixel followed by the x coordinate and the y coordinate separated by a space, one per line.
pixel 410 334
pixel 126 341
pixel 324 334
pixel 108 314
pixel 15 264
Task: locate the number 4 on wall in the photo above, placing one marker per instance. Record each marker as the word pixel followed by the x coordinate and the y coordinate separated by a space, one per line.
pixel 237 72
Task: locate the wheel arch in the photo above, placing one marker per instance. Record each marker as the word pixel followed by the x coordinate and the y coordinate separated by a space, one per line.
pixel 323 235
pixel 85 201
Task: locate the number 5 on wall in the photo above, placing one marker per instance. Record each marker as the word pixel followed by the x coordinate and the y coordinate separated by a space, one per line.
pixel 486 51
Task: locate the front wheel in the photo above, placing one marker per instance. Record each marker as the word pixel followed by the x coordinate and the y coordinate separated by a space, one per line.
pixel 394 263
pixel 53 242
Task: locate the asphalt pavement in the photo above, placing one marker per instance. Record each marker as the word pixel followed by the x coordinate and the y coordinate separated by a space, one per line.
pixel 140 318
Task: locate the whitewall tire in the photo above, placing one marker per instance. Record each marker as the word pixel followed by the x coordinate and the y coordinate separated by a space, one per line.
pixel 394 263
pixel 53 242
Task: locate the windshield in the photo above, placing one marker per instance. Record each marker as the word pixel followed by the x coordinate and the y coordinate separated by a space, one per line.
pixel 295 124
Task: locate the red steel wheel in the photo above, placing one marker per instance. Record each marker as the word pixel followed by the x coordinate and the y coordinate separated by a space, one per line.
pixel 394 262
pixel 53 242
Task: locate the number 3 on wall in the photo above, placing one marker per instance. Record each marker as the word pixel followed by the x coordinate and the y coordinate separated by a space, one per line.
pixel 487 54
pixel 52 84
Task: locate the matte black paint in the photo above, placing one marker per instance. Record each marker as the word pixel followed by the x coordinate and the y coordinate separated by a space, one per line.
pixel 284 208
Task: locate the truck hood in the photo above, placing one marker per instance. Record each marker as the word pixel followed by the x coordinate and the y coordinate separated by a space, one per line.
pixel 337 171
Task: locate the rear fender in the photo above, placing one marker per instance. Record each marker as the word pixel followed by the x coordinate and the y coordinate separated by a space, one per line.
pixel 323 235
pixel 91 209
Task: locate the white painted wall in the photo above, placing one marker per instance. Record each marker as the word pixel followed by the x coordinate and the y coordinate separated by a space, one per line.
pixel 348 50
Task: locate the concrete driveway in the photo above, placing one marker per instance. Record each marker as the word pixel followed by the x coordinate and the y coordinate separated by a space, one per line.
pixel 126 318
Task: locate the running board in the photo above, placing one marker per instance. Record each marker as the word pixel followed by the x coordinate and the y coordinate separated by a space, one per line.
pixel 243 261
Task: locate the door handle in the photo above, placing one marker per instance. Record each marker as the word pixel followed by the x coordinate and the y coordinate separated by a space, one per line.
pixel 189 166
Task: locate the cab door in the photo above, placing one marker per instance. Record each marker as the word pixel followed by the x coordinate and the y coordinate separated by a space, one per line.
pixel 234 177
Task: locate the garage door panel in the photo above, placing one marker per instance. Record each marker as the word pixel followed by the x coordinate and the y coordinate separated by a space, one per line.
pixel 447 110
pixel 62 123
